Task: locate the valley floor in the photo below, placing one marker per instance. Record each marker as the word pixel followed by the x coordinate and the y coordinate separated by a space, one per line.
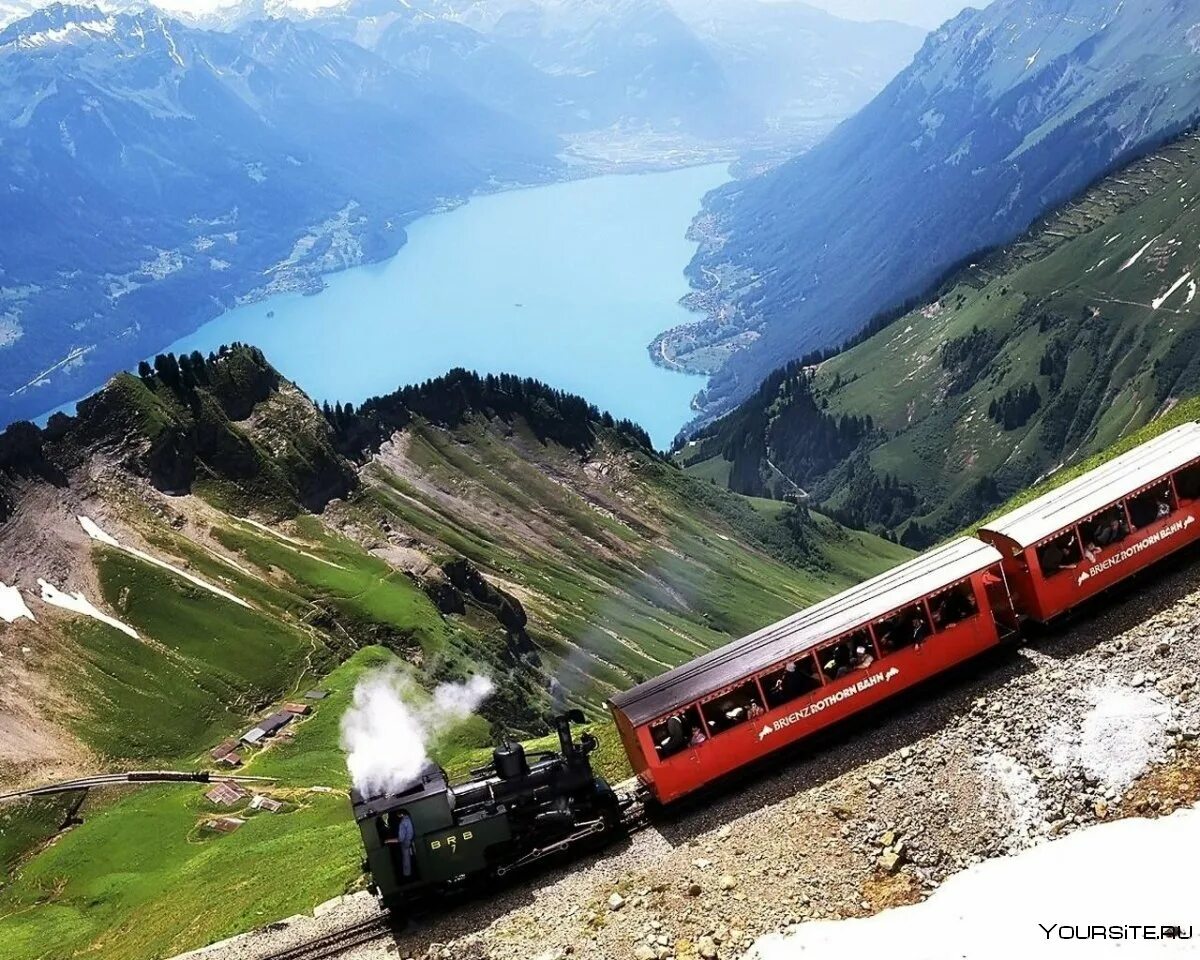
pixel 1092 722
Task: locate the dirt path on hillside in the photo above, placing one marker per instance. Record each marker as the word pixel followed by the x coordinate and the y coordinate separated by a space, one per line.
pixel 1096 720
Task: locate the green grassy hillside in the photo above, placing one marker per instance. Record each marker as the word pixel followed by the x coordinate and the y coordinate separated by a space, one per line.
pixel 555 552
pixel 1036 356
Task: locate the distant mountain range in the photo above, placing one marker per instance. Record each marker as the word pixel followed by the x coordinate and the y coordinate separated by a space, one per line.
pixel 158 172
pixel 1004 114
pixel 701 68
pixel 921 13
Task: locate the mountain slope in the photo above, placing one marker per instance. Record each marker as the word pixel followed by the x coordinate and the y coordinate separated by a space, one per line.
pixel 1038 355
pixel 466 524
pixel 517 514
pixel 156 174
pixel 1005 113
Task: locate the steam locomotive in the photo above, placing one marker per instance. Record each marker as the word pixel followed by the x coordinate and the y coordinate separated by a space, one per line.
pixel 437 836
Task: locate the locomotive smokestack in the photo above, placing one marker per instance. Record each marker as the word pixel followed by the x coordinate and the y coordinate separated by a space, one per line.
pixel 563 722
pixel 509 761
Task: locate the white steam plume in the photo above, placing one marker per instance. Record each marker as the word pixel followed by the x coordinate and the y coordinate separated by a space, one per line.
pixel 387 729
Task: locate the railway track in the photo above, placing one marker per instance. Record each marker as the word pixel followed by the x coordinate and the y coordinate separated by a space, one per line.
pixel 336 943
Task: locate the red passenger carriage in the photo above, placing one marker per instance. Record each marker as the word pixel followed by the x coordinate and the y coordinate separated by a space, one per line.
pixel 1095 531
pixel 743 701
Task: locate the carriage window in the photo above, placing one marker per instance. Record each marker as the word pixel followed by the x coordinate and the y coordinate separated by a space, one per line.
pixel 1153 504
pixel 793 680
pixel 737 706
pixel 903 629
pixel 677 732
pixel 1104 529
pixel 853 652
pixel 1061 553
pixel 953 606
pixel 1187 482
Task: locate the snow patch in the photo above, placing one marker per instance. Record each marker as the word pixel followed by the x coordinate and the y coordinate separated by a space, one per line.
pixel 1117 739
pixel 1130 871
pixel 10 329
pixel 1010 787
pixel 93 530
pixel 78 603
pixel 70 33
pixel 1159 301
pixel 1193 37
pixel 12 605
pixel 1191 292
pixel 1137 256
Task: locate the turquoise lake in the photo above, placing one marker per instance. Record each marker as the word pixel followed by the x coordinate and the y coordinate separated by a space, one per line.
pixel 568 283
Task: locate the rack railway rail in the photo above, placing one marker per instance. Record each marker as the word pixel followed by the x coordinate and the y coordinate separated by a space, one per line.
pixel 337 942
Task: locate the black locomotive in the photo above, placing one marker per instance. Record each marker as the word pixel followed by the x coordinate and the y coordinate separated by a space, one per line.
pixel 437 836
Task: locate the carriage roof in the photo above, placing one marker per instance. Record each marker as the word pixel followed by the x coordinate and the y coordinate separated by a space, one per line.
pixel 1096 489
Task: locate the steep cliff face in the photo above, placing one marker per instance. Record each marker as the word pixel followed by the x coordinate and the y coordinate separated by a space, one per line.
pixel 1005 113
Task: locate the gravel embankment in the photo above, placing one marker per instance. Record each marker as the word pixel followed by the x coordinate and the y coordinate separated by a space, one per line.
pixel 1091 721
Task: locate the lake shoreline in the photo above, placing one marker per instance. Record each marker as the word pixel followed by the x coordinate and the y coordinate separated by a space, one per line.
pixel 565 282
pixel 389 238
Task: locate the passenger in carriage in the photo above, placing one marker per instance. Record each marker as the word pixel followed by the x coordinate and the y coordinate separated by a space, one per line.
pixel 675 737
pixel 920 629
pixel 755 710
pixel 783 682
pixel 1111 531
pixel 1059 554
pixel 955 606
pixel 697 737
pixel 833 666
pixel 1163 508
pixel 861 657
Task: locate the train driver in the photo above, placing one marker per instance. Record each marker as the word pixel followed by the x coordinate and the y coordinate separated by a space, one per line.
pixel 404 836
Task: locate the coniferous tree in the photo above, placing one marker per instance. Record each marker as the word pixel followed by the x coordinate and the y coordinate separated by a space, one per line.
pixel 167 368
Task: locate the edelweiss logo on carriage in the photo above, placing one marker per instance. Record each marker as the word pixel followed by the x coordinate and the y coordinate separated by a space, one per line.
pixel 818 705
pixel 1135 549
